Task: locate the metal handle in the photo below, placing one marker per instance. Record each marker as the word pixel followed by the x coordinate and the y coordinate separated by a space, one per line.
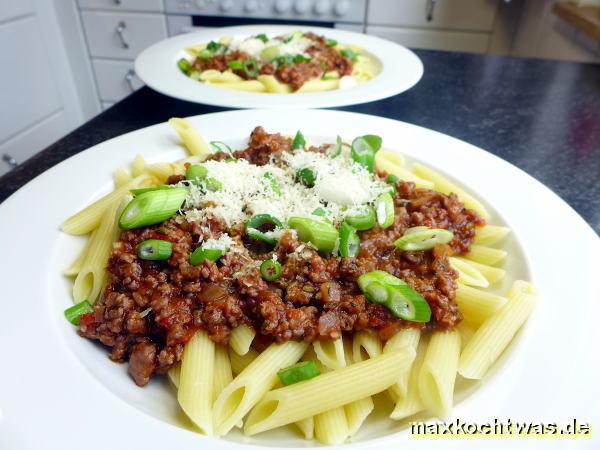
pixel 118 2
pixel 121 32
pixel 429 9
pixel 129 78
pixel 12 162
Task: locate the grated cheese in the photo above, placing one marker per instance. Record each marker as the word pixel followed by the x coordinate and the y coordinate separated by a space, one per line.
pixel 342 187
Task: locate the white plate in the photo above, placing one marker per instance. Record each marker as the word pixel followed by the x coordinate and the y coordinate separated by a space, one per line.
pixel 61 391
pixel 157 67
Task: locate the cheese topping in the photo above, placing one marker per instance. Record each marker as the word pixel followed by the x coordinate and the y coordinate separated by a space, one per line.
pixel 341 188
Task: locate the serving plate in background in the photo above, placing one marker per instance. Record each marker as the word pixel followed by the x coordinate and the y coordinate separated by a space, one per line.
pixel 59 390
pixel 400 69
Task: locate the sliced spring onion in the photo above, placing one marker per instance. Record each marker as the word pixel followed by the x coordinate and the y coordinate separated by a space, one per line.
pixel 149 189
pixel 384 209
pixel 331 42
pixel 397 296
pixel 408 304
pixel 350 54
pixel 273 183
pixel 284 60
pixel 292 36
pixel 205 54
pixel 73 313
pixel 270 53
pixel 301 371
pixel 250 67
pixel 201 254
pixel 336 150
pixel 363 221
pixel 196 172
pixel 321 234
pixel 364 149
pixel 212 184
pixel 235 64
pixel 392 180
pixel 322 214
pixel 270 270
pixel 220 146
pixel 152 207
pixel 214 46
pixel 154 250
pixel 263 37
pixel 299 142
pixel 349 241
pixel 301 58
pixel 259 224
pixel 423 238
pixel 307 177
pixel 184 65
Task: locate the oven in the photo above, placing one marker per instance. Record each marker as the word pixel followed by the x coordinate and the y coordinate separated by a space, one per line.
pixel 184 16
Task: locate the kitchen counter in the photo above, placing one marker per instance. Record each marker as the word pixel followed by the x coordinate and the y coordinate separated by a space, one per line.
pixel 541 116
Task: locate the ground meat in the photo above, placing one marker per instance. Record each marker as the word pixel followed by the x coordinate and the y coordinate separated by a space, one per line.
pixel 323 58
pixel 151 309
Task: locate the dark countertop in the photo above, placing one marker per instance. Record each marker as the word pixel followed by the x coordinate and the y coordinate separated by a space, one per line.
pixel 542 116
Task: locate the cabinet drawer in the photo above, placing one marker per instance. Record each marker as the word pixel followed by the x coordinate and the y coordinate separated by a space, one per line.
pixel 121 35
pixel 469 15
pixel 433 39
pixel 116 79
pixel 123 5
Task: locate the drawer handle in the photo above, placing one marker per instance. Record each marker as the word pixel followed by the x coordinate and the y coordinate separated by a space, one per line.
pixel 118 2
pixel 121 32
pixel 129 78
pixel 12 162
pixel 429 10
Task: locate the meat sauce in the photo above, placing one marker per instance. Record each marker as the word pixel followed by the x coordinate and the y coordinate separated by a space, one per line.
pixel 150 309
pixel 322 59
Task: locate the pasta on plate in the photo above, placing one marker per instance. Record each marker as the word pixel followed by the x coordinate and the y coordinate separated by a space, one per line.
pixel 292 63
pixel 289 283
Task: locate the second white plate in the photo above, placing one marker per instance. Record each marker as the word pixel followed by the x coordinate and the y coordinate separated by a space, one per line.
pixel 157 67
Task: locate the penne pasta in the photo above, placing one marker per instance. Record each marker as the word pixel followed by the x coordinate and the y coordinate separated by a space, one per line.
pixel 354 382
pixel 138 165
pixel 445 186
pixel 318 85
pixel 92 275
pixel 241 338
pixel 468 274
pixel 222 370
pixel 485 255
pixel 466 331
pixel 240 362
pixel 384 165
pixel 220 77
pixel 365 344
pixel 490 234
pixel 252 383
pixel 331 426
pixel 411 403
pixel 330 353
pixel 438 372
pixel 121 177
pixel 273 85
pixel 307 427
pixel 491 274
pixel 195 393
pixel 88 219
pixel 191 139
pixel 75 267
pixel 357 412
pixel 246 85
pixel 174 375
pixel 494 335
pixel 390 156
pixel 409 337
pixel 477 305
pixel 161 171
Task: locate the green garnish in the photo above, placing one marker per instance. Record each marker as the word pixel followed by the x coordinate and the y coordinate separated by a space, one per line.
pixel 423 238
pixel 301 371
pixel 73 313
pixel 154 250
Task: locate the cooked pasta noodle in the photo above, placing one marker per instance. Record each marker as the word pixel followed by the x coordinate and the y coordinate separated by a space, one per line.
pixel 387 166
pixel 192 140
pixel 409 337
pixel 490 234
pixel 222 370
pixel 477 305
pixel 365 344
pixel 494 335
pixel 331 426
pixel 240 362
pixel 411 403
pixel 121 177
pixel 330 353
pixel 138 165
pixel 468 274
pixel 241 338
pixel 486 255
pixel 492 274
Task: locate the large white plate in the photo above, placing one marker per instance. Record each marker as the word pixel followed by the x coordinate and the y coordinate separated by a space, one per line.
pixel 58 390
pixel 156 66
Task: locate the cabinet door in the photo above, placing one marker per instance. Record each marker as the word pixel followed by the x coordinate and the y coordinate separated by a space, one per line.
pixel 123 5
pixel 38 104
pixel 116 79
pixel 467 15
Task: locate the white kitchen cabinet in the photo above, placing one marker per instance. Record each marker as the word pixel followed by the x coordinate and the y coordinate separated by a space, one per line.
pixel 123 5
pixel 465 15
pixel 434 39
pixel 38 102
pixel 115 79
pixel 121 35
